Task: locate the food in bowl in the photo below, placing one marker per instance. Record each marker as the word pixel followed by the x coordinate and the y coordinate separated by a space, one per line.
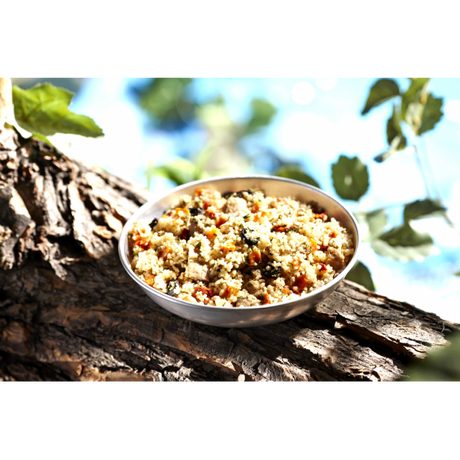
pixel 239 249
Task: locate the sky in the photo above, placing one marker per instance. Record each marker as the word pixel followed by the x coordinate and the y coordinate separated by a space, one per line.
pixel 317 120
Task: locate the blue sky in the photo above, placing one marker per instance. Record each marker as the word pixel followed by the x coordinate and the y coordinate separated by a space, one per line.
pixel 317 120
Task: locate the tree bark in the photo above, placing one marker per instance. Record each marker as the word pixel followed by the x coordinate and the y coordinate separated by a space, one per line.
pixel 6 100
pixel 68 311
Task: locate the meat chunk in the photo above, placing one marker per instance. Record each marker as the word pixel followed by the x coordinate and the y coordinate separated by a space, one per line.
pixel 196 227
pixel 236 206
pixel 196 271
pixel 247 301
pixel 335 259
pixel 255 288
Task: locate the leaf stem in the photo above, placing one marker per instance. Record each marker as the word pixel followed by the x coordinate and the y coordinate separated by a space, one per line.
pixel 418 158
pixel 424 154
pixel 434 182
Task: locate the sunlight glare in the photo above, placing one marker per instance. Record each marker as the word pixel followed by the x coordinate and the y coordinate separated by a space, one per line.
pixel 303 93
pixel 326 84
pixel 452 111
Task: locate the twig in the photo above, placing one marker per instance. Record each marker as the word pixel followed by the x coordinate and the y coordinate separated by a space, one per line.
pixel 422 170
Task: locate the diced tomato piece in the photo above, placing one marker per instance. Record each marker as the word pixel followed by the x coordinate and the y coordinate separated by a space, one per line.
pixel 217 216
pixel 323 267
pixel 207 292
pixel 301 282
pixel 143 243
pixel 322 216
pixel 211 214
pixel 280 228
pixel 185 234
pixel 220 220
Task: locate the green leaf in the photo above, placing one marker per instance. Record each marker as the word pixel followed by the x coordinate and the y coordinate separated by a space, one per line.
pixel 180 171
pixel 296 173
pixel 432 113
pixel 262 114
pixel 381 91
pixel 165 100
pixel 422 208
pixel 43 109
pixel 413 103
pixel 350 177
pixel 215 116
pixel 457 274
pixel 42 138
pixel 394 131
pixel 442 364
pixel 360 274
pixel 413 94
pixel 405 235
pixel 372 224
pixel 404 243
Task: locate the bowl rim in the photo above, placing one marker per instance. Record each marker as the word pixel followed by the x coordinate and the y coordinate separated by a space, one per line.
pixel 125 262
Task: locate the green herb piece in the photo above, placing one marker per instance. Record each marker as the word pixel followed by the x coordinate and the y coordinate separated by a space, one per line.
pixel 44 109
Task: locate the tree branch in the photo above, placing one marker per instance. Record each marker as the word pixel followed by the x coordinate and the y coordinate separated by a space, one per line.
pixel 68 311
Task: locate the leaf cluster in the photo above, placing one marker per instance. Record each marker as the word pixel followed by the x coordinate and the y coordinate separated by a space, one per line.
pixel 416 108
pixel 168 102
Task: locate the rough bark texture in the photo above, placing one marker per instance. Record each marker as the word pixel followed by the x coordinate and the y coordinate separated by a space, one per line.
pixel 68 311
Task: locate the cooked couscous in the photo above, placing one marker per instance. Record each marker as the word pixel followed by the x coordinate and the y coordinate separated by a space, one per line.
pixel 239 249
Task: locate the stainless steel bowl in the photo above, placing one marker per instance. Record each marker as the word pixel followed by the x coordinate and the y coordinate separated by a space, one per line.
pixel 242 316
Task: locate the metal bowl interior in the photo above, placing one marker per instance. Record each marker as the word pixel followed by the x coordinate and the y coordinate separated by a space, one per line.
pixel 242 316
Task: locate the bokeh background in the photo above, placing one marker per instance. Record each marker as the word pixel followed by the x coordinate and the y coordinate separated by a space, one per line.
pixel 160 132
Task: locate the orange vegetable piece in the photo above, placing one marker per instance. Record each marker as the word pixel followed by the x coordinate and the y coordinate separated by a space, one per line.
pixel 150 280
pixel 258 217
pixel 164 252
pixel 228 247
pixel 266 299
pixel 211 234
pixel 229 291
pixel 182 211
pixel 301 282
pixel 254 257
